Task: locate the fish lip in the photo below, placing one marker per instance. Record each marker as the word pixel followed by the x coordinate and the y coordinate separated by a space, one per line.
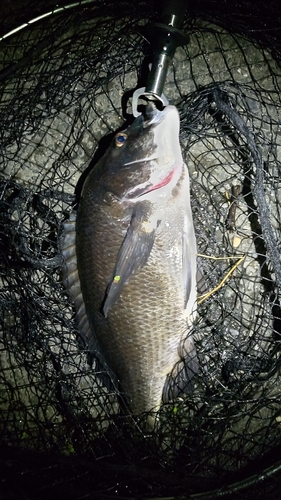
pixel 157 116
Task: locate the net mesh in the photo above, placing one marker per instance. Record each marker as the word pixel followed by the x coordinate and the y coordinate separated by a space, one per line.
pixel 66 82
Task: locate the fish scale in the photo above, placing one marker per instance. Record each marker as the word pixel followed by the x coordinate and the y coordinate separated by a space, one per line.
pixel 135 249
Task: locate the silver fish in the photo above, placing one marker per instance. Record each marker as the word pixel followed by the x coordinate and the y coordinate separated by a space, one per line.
pixel 130 261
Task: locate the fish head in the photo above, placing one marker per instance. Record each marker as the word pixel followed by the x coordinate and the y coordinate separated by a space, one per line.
pixel 144 157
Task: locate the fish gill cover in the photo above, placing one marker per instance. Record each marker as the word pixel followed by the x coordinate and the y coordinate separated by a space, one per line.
pixel 64 80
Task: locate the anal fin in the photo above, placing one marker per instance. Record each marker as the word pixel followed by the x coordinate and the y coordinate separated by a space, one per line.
pixel 181 378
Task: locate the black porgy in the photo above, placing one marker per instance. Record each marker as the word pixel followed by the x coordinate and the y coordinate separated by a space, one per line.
pixel 130 260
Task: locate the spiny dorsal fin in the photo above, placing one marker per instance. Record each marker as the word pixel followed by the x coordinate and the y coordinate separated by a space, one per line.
pixel 71 277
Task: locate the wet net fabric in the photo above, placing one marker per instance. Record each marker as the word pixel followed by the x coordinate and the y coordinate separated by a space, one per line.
pixel 66 82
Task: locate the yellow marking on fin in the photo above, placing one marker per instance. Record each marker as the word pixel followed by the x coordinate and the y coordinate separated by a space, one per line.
pixel 147 226
pixel 116 279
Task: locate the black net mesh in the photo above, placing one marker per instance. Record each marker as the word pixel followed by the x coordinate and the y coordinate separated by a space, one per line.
pixel 64 79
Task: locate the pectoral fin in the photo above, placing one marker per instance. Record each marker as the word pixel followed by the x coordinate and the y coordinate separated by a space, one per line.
pixel 133 255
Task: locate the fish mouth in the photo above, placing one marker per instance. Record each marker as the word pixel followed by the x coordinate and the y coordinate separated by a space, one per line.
pixel 153 116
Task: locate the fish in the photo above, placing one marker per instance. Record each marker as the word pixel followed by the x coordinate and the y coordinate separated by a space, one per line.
pixel 130 263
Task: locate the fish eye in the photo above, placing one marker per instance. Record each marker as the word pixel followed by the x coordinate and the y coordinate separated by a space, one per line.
pixel 120 138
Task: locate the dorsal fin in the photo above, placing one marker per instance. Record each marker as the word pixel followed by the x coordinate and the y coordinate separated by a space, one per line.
pixel 71 278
